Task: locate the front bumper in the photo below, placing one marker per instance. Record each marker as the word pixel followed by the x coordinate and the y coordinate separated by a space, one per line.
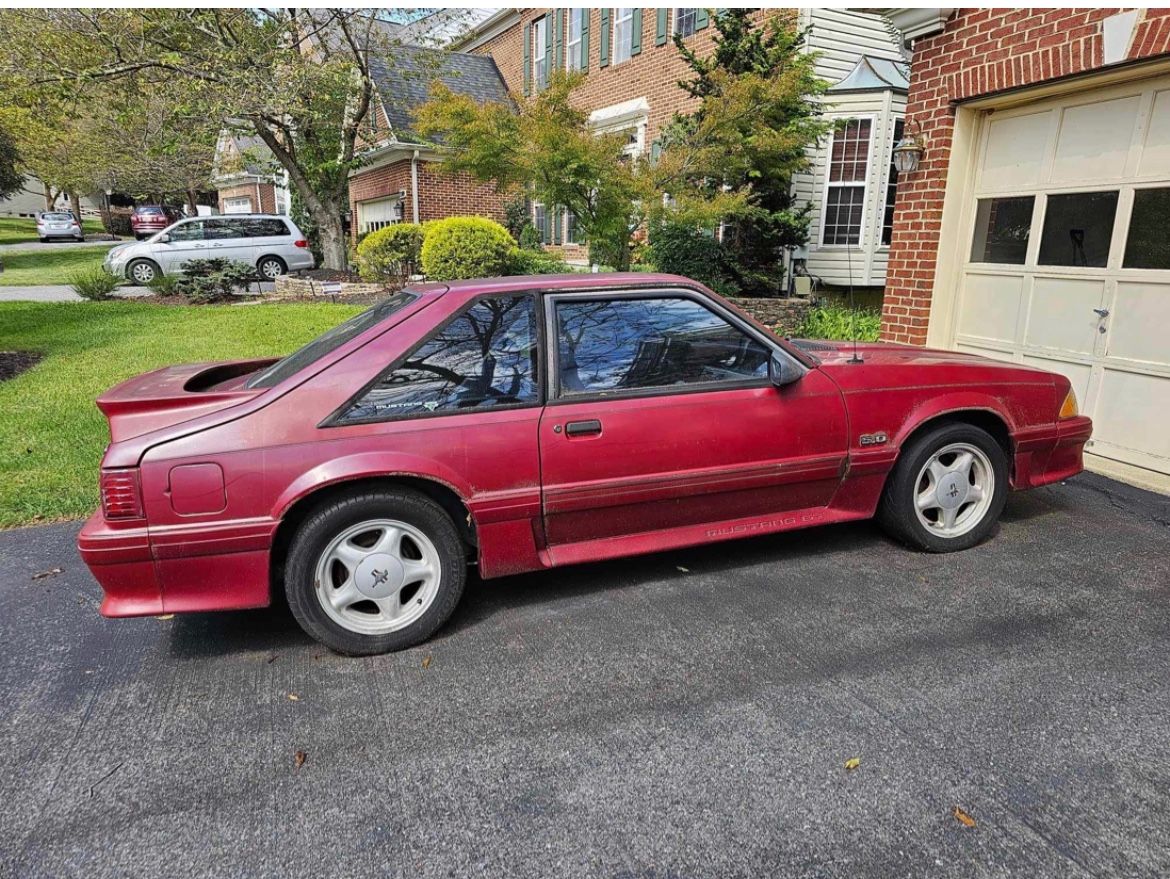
pixel 1051 453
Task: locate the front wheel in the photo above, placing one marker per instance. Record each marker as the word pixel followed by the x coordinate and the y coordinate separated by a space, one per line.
pixel 947 489
pixel 375 571
pixel 143 271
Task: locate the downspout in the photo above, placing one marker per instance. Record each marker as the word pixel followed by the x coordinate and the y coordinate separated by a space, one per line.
pixel 259 200
pixel 414 185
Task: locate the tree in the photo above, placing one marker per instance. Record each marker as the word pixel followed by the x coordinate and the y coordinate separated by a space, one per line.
pixel 11 180
pixel 544 146
pixel 301 79
pixel 732 160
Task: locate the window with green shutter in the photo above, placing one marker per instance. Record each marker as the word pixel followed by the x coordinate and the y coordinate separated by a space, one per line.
pixel 661 26
pixel 603 39
pixel 527 59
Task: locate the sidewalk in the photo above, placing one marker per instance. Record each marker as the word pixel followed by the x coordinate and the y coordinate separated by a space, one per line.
pixel 60 293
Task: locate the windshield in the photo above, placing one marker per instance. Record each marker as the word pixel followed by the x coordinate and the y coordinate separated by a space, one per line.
pixel 58 218
pixel 329 341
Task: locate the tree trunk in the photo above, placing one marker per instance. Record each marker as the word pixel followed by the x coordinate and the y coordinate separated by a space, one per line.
pixel 192 208
pixel 50 198
pixel 334 246
pixel 75 204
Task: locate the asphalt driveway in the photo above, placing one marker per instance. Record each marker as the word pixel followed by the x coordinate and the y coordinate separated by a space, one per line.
pixel 678 715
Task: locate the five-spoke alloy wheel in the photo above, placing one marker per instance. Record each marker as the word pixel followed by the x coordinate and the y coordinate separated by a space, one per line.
pixel 375 570
pixel 947 489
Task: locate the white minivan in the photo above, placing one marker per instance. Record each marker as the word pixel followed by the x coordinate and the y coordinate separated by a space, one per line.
pixel 273 244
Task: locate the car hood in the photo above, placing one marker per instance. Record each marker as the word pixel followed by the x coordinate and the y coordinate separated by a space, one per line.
pixel 886 365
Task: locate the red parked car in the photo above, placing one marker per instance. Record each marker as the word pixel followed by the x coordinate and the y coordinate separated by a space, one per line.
pixel 150 218
pixel 524 423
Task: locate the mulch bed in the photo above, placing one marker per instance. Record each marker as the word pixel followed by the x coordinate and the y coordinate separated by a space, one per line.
pixel 13 363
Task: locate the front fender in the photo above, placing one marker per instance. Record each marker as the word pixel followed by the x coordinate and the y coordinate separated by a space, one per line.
pixel 952 403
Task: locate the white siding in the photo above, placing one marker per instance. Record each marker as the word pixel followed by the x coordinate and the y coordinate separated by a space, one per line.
pixel 843 37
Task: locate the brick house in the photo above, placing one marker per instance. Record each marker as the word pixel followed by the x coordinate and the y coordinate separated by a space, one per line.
pixel 632 69
pixel 246 178
pixel 1034 227
pixel 400 179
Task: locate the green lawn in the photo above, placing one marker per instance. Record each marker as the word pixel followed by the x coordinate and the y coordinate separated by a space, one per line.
pixel 17 230
pixel 53 265
pixel 52 435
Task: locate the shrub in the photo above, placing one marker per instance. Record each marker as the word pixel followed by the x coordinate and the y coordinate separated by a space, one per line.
pixel 529 237
pixel 390 254
pixel 840 323
pixel 213 280
pixel 466 247
pixel 94 283
pixel 685 249
pixel 516 216
pixel 164 285
pixel 536 262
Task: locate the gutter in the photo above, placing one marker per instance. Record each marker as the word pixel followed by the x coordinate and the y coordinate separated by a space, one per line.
pixel 414 185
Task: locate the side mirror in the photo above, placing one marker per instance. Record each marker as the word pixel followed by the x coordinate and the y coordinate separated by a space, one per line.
pixel 164 238
pixel 783 371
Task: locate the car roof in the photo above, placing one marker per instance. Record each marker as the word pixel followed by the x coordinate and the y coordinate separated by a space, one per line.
pixel 557 283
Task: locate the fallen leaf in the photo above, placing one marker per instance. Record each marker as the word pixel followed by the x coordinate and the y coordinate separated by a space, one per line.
pixel 166 616
pixel 426 662
pixel 962 817
pixel 293 697
pixel 271 659
pixel 852 763
pixel 299 758
pixel 52 572
pixel 684 570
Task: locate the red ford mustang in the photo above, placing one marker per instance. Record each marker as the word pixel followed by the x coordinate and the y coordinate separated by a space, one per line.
pixel 524 423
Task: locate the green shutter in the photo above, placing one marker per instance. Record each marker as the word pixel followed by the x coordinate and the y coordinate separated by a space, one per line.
pixel 546 231
pixel 548 48
pixel 661 27
pixel 557 221
pixel 603 41
pixel 584 13
pixel 636 36
pixel 558 39
pixel 702 19
pixel 655 152
pixel 527 59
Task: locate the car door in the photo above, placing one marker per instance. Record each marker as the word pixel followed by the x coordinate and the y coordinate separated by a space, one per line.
pixel 184 242
pixel 661 415
pixel 231 238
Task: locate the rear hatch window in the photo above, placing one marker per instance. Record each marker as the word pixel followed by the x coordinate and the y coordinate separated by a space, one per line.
pixel 330 341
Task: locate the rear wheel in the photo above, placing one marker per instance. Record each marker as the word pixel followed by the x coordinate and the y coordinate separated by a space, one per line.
pixel 143 271
pixel 947 489
pixel 375 571
pixel 271 267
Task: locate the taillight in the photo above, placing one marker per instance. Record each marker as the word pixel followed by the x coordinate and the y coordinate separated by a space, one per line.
pixel 301 243
pixel 121 494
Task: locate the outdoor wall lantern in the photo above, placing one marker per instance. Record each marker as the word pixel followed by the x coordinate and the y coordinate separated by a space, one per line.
pixel 909 152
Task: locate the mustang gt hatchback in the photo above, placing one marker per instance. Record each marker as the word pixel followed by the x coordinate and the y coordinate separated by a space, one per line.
pixel 524 423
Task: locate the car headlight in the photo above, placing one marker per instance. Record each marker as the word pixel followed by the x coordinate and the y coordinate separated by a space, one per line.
pixel 1068 409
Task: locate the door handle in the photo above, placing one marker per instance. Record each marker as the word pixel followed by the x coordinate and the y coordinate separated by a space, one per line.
pixel 1101 312
pixel 583 428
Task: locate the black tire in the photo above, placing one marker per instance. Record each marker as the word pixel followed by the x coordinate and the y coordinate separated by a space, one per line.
pixel 136 271
pixel 271 267
pixel 331 519
pixel 897 512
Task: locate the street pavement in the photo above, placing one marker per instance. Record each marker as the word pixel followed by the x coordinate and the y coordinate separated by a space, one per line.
pixel 687 714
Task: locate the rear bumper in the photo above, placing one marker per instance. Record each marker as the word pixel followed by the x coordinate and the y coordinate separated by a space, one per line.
pixel 136 583
pixel 120 560
pixel 1051 453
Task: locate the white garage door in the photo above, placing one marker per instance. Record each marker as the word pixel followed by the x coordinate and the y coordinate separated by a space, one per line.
pixel 241 205
pixel 1068 265
pixel 373 215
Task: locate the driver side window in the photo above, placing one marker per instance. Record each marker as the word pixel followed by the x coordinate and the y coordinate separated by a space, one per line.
pixel 484 358
pixel 187 232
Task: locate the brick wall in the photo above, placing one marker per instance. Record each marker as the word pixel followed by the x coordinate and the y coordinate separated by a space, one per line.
pixel 439 194
pixel 980 52
pixel 267 202
pixel 653 74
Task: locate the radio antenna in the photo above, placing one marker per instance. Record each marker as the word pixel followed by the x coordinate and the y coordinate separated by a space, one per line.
pixel 856 358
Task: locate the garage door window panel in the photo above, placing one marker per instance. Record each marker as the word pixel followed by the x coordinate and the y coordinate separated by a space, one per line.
pixel 1147 244
pixel 1002 229
pixel 1078 228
